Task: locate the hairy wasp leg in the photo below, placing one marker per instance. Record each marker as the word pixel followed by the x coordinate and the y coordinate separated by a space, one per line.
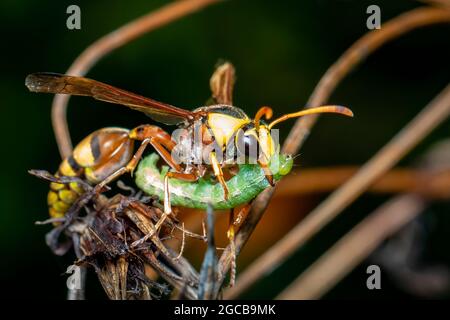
pixel 128 168
pixel 167 206
pixel 183 241
pixel 230 235
pixel 161 142
pixel 267 172
pixel 190 233
pixel 218 173
pixel 207 281
pixel 167 211
pixel 131 166
pixel 234 220
pixel 167 157
pixel 190 177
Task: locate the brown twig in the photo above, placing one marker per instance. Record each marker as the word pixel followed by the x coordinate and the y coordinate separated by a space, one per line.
pixel 360 50
pixel 363 239
pixel 222 83
pixel 350 250
pixel 436 2
pixel 428 119
pixel 398 180
pixel 106 45
pixel 101 48
pixel 348 61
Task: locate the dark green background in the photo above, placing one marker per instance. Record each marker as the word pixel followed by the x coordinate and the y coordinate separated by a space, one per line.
pixel 280 50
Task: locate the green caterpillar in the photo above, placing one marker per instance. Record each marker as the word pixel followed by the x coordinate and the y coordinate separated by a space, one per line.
pixel 243 187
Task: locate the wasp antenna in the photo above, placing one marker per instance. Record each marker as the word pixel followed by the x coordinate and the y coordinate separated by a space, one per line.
pixel 263 111
pixel 324 109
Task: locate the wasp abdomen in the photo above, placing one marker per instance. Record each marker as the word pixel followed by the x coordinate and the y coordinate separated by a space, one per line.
pixel 60 196
pixel 96 157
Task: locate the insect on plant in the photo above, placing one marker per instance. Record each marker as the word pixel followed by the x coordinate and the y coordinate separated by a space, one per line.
pixel 243 187
pixel 107 153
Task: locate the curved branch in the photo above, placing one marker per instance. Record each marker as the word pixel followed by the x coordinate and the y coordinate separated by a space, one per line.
pixel 348 61
pixel 107 44
pixel 354 247
pixel 363 239
pixel 351 58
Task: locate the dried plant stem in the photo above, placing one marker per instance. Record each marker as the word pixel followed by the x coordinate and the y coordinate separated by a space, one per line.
pixel 354 247
pixel 398 180
pixel 428 119
pixel 101 48
pixel 347 62
pixel 106 45
pixel 437 2
pixel 357 53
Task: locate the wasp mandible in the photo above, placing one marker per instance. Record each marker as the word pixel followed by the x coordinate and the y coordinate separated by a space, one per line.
pixel 106 154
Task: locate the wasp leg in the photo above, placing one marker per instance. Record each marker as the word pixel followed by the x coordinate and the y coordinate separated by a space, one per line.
pixel 160 140
pixel 190 177
pixel 167 206
pixel 267 172
pixel 167 157
pixel 235 220
pixel 157 143
pixel 218 173
pixel 183 242
pixel 128 168
pixel 230 235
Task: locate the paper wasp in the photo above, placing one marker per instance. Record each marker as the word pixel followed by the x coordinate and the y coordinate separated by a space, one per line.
pixel 108 153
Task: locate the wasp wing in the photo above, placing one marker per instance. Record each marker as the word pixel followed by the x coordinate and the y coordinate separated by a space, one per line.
pixel 80 86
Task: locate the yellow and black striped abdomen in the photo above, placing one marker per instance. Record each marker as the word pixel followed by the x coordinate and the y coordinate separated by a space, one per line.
pixel 61 197
pixel 96 157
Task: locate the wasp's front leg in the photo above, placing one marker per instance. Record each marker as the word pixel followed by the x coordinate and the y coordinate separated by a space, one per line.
pixel 167 205
pixel 218 173
pixel 267 172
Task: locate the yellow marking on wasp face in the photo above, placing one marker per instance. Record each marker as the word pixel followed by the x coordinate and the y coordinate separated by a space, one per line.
pixel 68 196
pixel 52 197
pixel 76 187
pixel 224 126
pixel 65 169
pixel 264 139
pixel 266 142
pixel 56 186
pixel 61 206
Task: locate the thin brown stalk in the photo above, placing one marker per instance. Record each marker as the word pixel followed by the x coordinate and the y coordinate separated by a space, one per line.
pixel 354 247
pixel 436 2
pixel 357 53
pixel 348 61
pixel 106 45
pixel 428 119
pixel 363 239
pixel 398 180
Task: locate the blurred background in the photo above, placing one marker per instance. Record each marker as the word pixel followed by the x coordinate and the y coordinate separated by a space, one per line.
pixel 280 51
